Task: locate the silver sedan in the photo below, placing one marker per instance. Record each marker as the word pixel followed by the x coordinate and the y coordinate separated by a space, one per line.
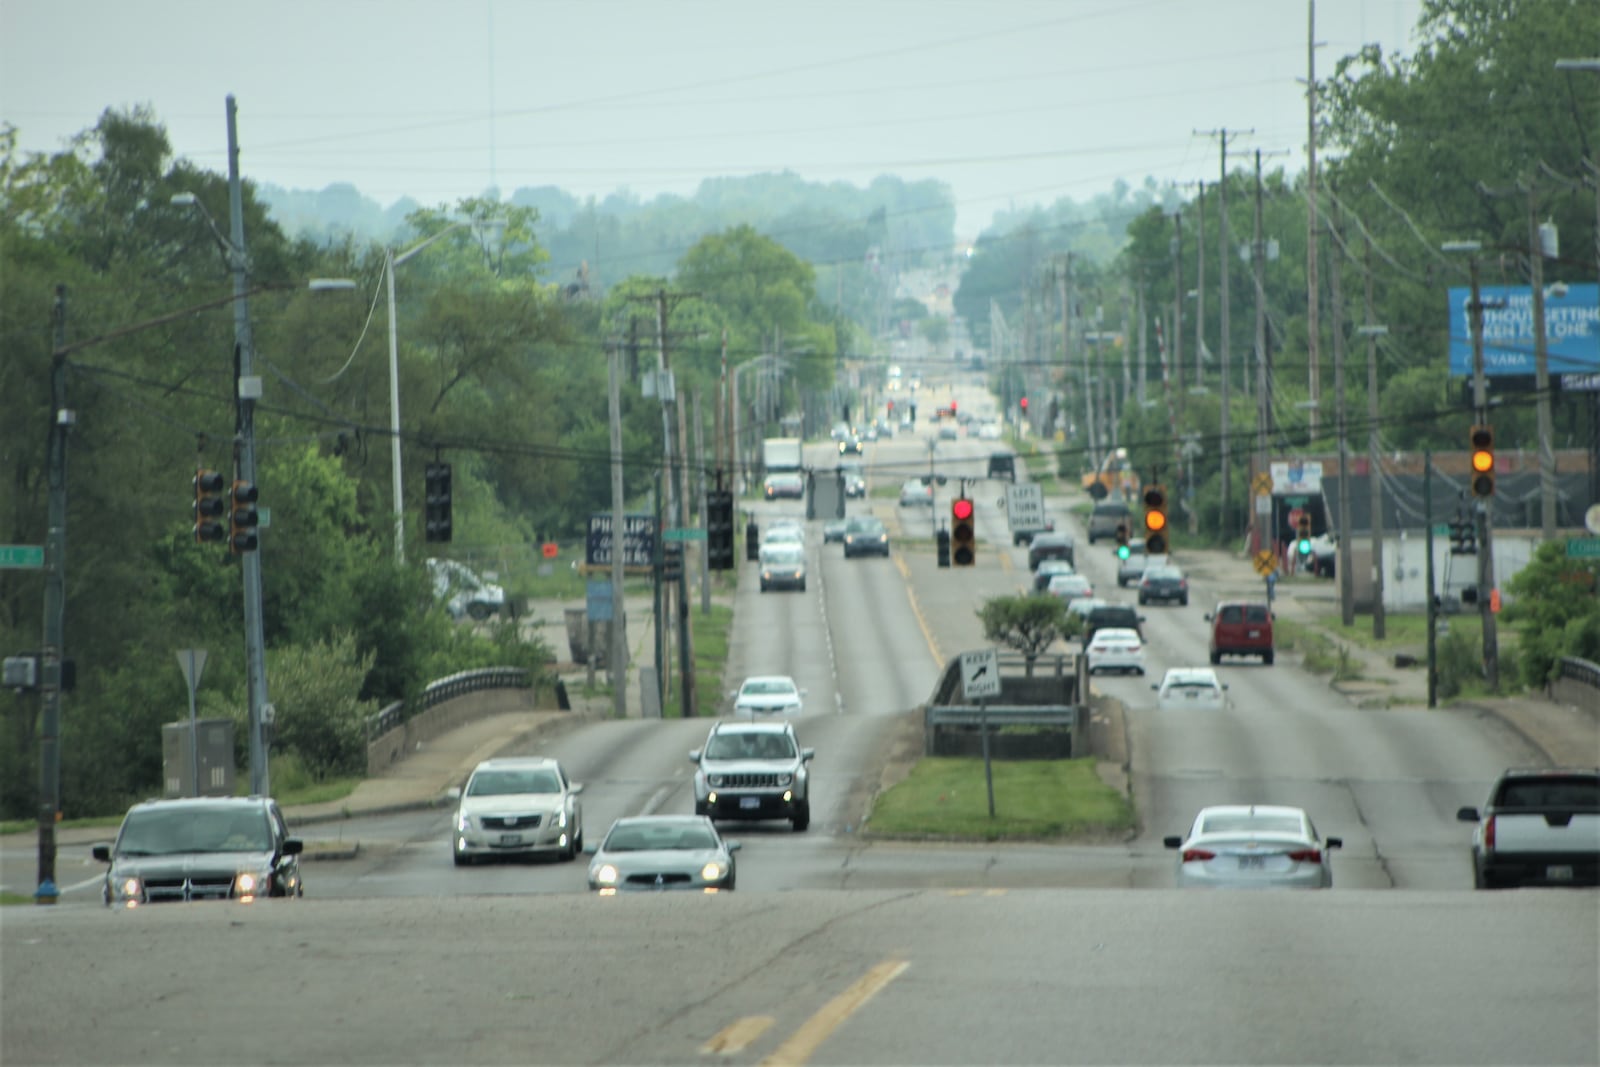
pixel 517 806
pixel 656 853
pixel 1253 846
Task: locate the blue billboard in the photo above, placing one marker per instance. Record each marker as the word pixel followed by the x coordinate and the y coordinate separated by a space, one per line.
pixel 1571 327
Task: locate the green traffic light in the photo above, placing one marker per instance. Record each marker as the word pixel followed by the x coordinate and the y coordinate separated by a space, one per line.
pixel 1122 552
pixel 1305 546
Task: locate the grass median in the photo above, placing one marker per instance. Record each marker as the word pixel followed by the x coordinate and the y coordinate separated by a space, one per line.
pixel 946 798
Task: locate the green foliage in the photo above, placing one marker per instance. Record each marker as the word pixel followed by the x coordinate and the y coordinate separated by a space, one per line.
pixel 1554 608
pixel 948 798
pixel 1028 624
pixel 1460 664
pixel 320 718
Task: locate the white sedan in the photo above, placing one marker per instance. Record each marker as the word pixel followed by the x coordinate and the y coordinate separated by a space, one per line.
pixel 1116 649
pixel 1253 846
pixel 1191 687
pixel 772 694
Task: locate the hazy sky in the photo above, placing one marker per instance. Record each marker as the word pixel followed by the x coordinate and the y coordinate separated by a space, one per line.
pixel 1007 101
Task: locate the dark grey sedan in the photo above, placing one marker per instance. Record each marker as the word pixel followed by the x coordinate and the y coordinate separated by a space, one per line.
pixel 657 853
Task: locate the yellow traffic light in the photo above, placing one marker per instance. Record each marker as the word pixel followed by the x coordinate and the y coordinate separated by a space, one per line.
pixel 1482 461
pixel 1155 520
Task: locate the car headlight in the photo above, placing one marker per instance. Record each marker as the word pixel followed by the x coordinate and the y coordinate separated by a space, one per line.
pixel 463 822
pixel 785 779
pixel 795 707
pixel 561 819
pixel 714 781
pixel 606 874
pixel 130 889
pixel 715 871
pixel 250 883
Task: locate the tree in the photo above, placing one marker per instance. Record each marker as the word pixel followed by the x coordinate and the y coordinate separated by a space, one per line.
pixel 1554 610
pixel 1029 624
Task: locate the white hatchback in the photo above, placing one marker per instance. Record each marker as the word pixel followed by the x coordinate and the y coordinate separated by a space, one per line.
pixel 1191 687
pixel 1116 649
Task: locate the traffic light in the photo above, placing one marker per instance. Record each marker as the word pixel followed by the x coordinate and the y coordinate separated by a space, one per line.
pixel 243 519
pixel 941 540
pixel 1483 461
pixel 1123 551
pixel 963 533
pixel 208 507
pixel 1023 404
pixel 438 524
pixel 1155 520
pixel 1302 530
pixel 719 530
pixel 672 561
pixel 1463 537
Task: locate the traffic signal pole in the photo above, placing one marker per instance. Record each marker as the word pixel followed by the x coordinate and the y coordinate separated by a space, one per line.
pixel 55 612
pixel 1480 404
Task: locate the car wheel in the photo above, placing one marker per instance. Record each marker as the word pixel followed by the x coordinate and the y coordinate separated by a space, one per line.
pixel 1266 658
pixel 802 816
pixel 802 587
pixel 461 860
pixel 1183 602
pixel 1216 658
pixel 763 587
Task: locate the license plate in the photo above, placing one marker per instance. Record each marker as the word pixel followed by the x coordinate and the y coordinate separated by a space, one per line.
pixel 1251 863
pixel 1558 874
pixel 511 839
pixel 1253 633
pixel 750 803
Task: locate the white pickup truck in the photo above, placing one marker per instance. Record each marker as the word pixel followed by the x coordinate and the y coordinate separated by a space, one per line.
pixel 1539 827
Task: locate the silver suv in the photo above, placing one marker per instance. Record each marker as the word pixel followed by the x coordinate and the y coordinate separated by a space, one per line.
pixel 1106 517
pixel 753 770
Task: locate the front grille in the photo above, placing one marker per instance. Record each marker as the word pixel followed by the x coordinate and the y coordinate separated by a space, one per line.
pixel 199 887
pixel 749 781
pixel 510 822
pixel 663 879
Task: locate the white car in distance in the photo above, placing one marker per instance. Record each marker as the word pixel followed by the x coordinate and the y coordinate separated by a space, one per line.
pixel 1116 649
pixel 1183 688
pixel 768 694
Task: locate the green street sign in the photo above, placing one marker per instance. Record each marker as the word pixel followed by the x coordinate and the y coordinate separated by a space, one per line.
pixel 692 534
pixel 1583 548
pixel 21 557
pixel 1441 530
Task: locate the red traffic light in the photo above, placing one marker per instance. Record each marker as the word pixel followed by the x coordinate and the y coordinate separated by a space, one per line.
pixel 1023 403
pixel 961 508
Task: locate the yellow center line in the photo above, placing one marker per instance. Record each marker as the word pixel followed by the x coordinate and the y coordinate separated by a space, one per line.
pixel 916 609
pixel 805 1041
pixel 739 1034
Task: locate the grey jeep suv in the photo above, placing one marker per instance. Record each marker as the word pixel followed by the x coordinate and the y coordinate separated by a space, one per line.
pixel 753 770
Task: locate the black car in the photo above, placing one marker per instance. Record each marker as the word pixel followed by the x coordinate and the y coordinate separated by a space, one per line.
pixel 865 536
pixel 1111 617
pixel 1164 583
pixel 1050 546
pixel 201 848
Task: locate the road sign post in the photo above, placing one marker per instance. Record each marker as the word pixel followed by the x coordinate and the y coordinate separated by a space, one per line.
pixel 980 680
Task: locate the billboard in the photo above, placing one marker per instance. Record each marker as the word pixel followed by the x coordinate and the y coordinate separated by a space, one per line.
pixel 1571 327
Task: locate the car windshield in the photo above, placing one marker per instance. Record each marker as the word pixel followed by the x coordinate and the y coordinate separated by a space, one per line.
pixel 1551 792
pixel 866 526
pixel 164 832
pixel 1251 823
pixel 750 746
pixel 1167 573
pixel 752 689
pixel 653 838
pixel 499 783
pixel 783 554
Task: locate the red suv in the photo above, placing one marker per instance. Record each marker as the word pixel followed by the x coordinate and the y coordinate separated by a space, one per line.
pixel 1241 628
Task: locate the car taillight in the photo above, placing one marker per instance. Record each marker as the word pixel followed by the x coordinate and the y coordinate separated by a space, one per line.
pixel 1306 855
pixel 1488 833
pixel 1198 855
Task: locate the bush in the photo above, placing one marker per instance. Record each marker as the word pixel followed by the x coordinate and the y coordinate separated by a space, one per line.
pixel 1460 664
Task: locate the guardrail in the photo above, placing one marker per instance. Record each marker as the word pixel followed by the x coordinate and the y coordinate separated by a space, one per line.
pixel 451 685
pixel 1048 697
pixel 1576 682
pixel 1582 671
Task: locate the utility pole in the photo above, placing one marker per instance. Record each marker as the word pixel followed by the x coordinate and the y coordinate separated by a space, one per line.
pixel 1347 606
pixel 248 389
pixel 1200 293
pixel 1433 610
pixel 1541 371
pixel 619 519
pixel 1263 393
pixel 55 610
pixel 1312 295
pixel 1374 451
pixel 1485 517
pixel 1178 296
pixel 1225 239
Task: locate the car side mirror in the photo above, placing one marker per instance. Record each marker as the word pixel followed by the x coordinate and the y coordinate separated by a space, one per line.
pixel 1172 842
pixel 591 847
pixel 293 846
pixel 101 853
pixel 1224 685
pixel 1142 619
pixel 1208 616
pixel 694 755
pixel 1466 814
pixel 574 787
pixel 453 793
pixel 1153 685
pixel 803 692
pixel 806 754
pixel 1333 842
pixel 731 846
